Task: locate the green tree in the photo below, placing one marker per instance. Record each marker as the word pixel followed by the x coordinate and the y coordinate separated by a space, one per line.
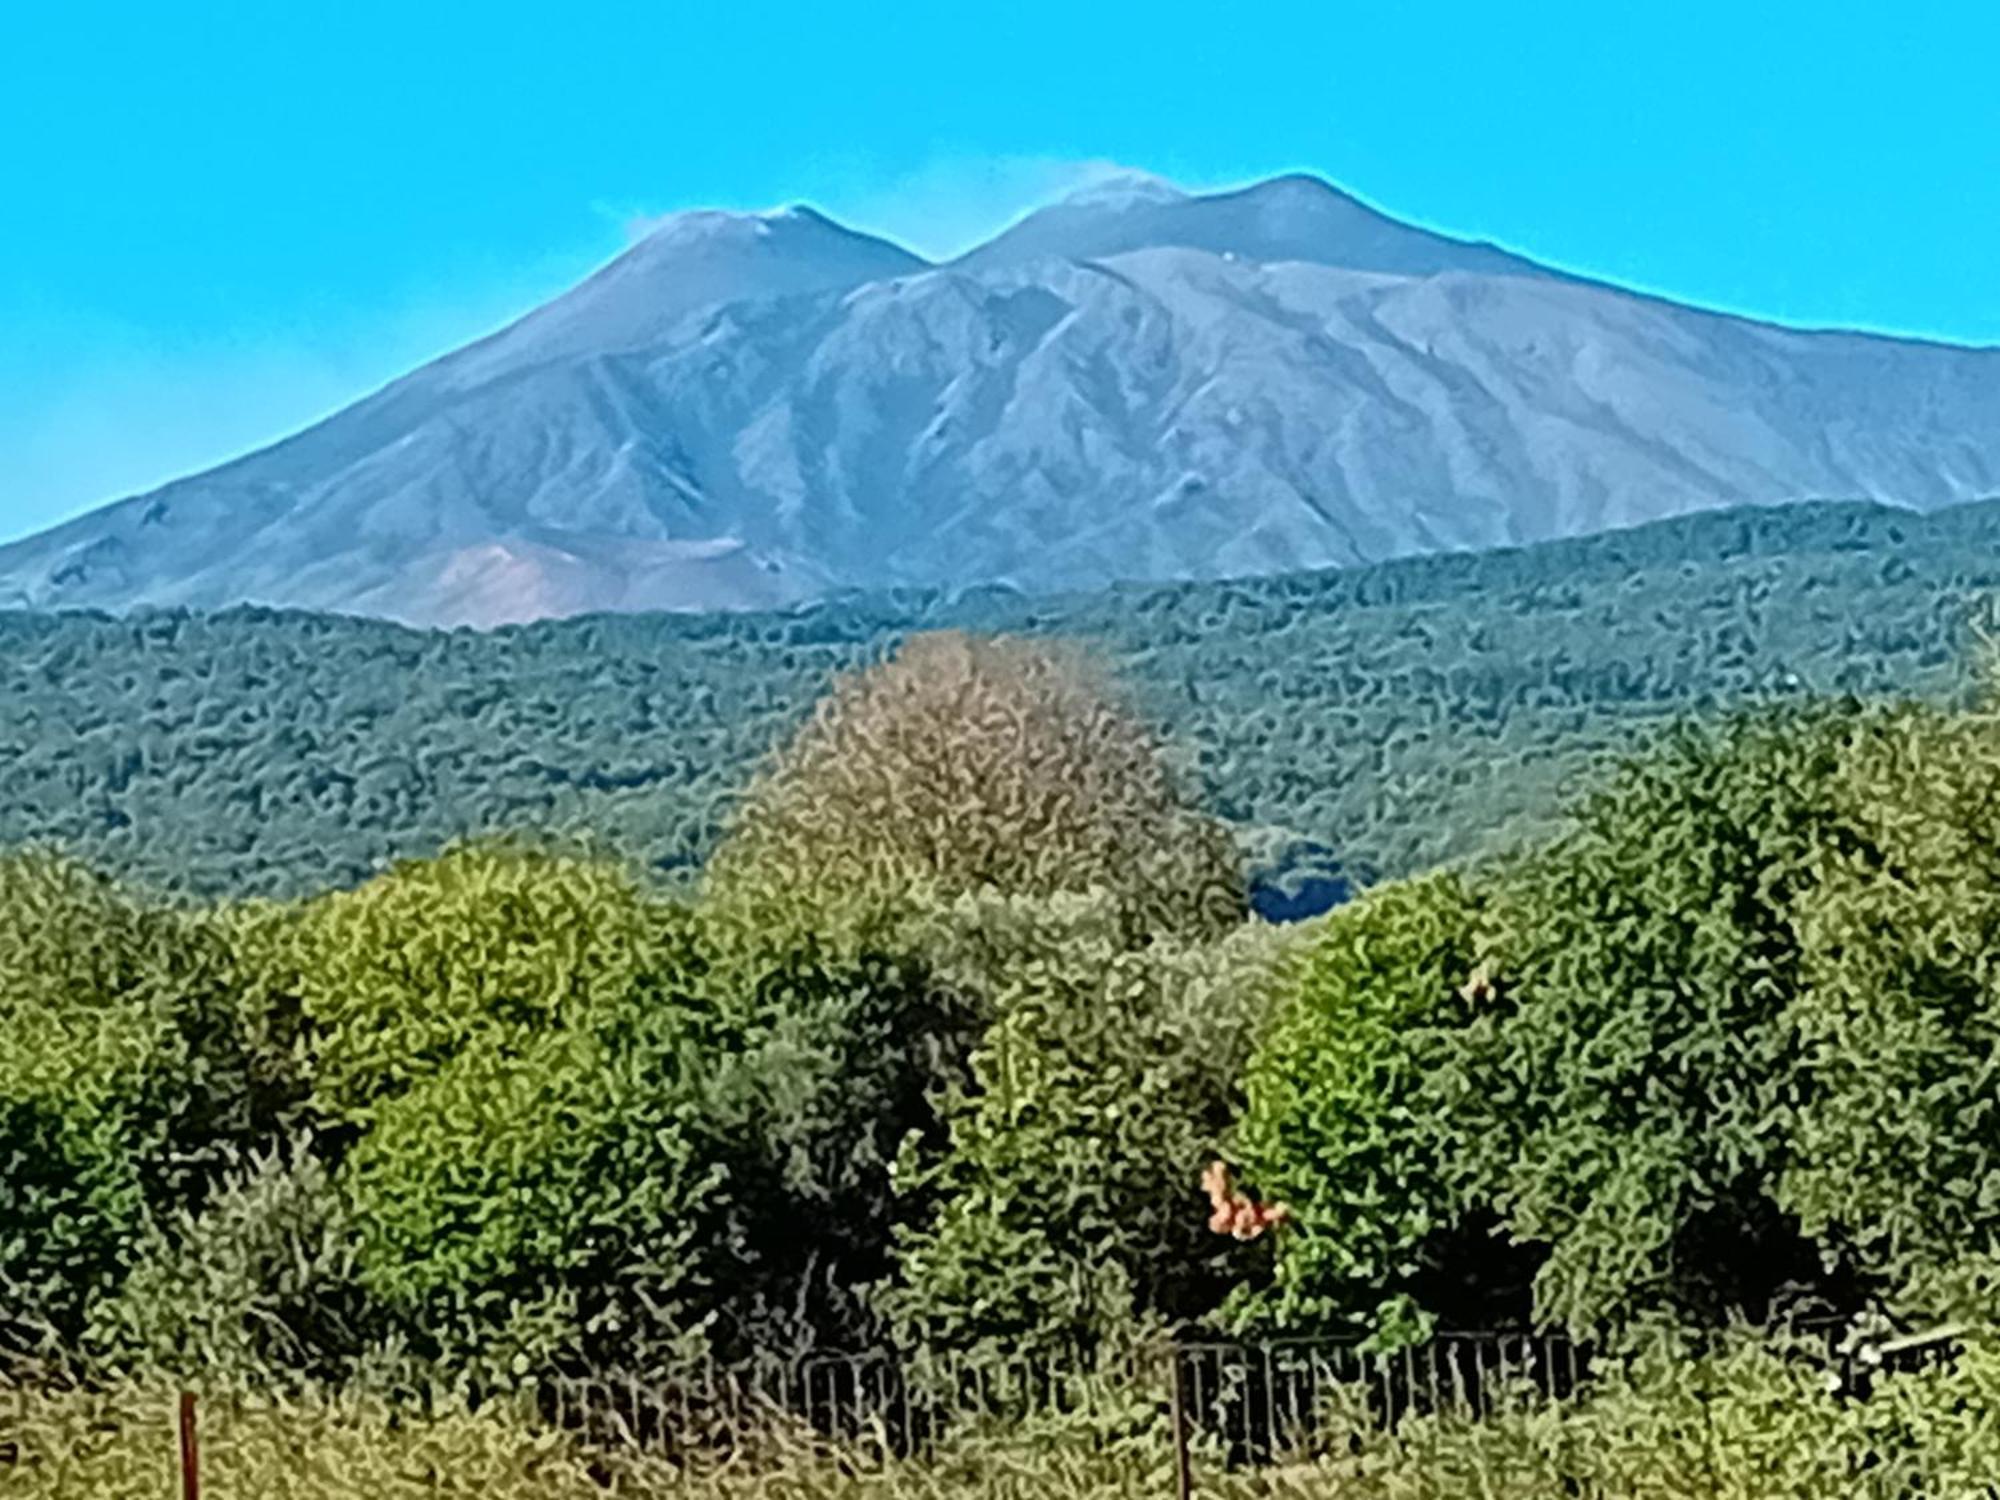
pixel 1896 1132
pixel 123 1079
pixel 577 1123
pixel 1366 1115
pixel 1070 1214
pixel 1613 1050
pixel 492 943
pixel 1654 1050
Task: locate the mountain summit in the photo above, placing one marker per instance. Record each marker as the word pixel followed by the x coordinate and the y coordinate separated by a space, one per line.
pixel 687 262
pixel 1286 219
pixel 1133 383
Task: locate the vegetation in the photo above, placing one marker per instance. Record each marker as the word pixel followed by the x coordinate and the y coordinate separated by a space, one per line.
pixel 1738 1419
pixel 968 764
pixel 124 1078
pixel 1070 1218
pixel 511 1110
pixel 1403 715
pixel 942 1055
pixel 1725 1043
pixel 1363 1121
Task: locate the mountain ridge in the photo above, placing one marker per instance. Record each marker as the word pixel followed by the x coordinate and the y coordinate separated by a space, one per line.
pixel 1135 383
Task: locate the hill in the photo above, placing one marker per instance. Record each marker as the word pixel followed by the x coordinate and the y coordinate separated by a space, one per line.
pixel 1402 714
pixel 1137 384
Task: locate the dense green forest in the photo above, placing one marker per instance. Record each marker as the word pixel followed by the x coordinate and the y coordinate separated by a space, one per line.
pixel 1401 715
pixel 966 1043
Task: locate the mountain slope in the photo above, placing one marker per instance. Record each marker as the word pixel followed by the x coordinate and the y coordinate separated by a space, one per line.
pixel 1136 384
pixel 1401 714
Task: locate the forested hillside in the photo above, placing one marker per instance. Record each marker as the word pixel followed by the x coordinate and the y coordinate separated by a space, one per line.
pixel 1402 714
pixel 964 1056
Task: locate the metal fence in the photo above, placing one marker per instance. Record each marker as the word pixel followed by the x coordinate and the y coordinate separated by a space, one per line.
pixel 1252 1403
pixel 1261 1402
pixel 872 1405
pixel 1219 1403
pixel 1245 1403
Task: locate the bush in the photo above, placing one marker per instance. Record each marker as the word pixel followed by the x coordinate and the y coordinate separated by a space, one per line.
pixel 1364 1118
pixel 1655 956
pixel 489 945
pixel 1719 1048
pixel 1070 1214
pixel 1898 1018
pixel 124 1076
pixel 258 1286
pixel 574 1124
pixel 1737 1417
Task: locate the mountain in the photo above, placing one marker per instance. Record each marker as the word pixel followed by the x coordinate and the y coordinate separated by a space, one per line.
pixel 1291 218
pixel 1136 383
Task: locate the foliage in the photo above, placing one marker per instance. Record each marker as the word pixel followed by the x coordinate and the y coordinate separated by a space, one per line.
pixel 1725 1044
pixel 967 764
pixel 1735 1417
pixel 836 1079
pixel 259 1286
pixel 120 1445
pixel 453 1012
pixel 1069 1212
pixel 1899 1017
pixel 1407 713
pixel 1362 1115
pixel 488 945
pixel 499 1111
pixel 124 1072
pixel 515 1108
pixel 576 1123
pixel 1655 956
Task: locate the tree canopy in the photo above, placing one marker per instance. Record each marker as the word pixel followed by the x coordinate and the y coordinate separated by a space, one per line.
pixel 965 765
pixel 1726 1043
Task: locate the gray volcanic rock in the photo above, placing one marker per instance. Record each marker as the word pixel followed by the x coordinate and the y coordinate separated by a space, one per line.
pixel 1133 384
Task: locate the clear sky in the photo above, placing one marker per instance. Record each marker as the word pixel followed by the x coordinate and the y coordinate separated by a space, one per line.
pixel 226 220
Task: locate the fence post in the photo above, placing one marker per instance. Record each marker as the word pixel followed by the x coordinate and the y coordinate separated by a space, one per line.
pixel 1183 1464
pixel 190 1451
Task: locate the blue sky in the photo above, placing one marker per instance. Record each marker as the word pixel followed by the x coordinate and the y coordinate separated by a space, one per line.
pixel 224 221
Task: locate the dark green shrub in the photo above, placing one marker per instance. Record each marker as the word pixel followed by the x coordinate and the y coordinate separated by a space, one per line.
pixel 1615 1051
pixel 1897 1119
pixel 1070 1212
pixel 1366 1115
pixel 259 1285
pixel 1654 1049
